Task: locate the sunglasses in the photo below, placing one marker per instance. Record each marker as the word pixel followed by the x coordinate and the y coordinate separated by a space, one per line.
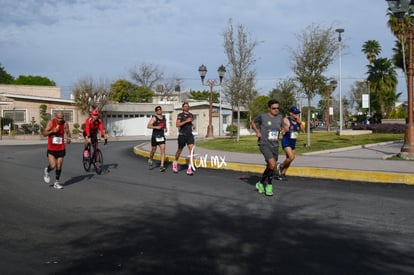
pixel 158 110
pixel 275 108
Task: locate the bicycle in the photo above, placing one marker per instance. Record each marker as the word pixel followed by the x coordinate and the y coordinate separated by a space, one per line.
pixel 94 157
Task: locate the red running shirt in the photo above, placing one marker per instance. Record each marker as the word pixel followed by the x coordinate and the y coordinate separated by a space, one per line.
pixel 56 141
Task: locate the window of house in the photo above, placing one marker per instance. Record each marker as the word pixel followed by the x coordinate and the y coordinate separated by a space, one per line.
pixel 18 116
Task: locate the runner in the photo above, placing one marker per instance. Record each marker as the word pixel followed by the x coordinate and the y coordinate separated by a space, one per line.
pixel 55 132
pixel 267 127
pixel 291 127
pixel 158 124
pixel 185 124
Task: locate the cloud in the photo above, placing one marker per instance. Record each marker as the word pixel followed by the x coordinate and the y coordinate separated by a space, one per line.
pixel 68 39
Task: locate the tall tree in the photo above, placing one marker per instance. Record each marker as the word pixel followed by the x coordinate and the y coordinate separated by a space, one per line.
pixel 239 49
pixel 90 95
pixel 400 27
pixel 317 46
pixel 5 77
pixel 371 49
pixel 383 83
pixel 285 92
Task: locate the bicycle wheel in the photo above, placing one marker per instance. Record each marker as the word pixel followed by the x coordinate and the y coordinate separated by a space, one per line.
pixel 98 161
pixel 86 163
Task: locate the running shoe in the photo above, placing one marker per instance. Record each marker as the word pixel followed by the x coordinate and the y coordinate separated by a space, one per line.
pixel 85 154
pixel 190 171
pixel 162 169
pixel 260 187
pixel 150 164
pixel 57 185
pixel 175 167
pixel 279 169
pixel 269 190
pixel 46 176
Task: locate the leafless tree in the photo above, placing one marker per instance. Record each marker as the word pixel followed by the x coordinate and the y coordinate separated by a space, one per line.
pixel 90 95
pixel 169 89
pixel 147 75
pixel 239 47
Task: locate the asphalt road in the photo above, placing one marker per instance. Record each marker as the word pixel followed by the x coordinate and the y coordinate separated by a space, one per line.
pixel 130 220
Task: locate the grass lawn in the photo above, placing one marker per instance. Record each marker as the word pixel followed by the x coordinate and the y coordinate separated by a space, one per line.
pixel 320 140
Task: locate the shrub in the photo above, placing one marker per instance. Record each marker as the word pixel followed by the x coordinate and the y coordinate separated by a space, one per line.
pixel 232 129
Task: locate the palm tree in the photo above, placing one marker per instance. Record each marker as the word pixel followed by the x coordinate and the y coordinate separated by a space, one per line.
pixel 383 82
pixel 400 27
pixel 371 49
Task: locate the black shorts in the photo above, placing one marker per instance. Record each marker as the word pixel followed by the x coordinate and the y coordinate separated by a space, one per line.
pixel 56 154
pixel 154 141
pixel 94 136
pixel 185 140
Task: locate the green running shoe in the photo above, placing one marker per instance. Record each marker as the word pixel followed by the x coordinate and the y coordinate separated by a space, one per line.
pixel 162 169
pixel 260 187
pixel 150 164
pixel 269 190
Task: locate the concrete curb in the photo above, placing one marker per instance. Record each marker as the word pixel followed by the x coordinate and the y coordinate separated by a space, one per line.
pixel 321 173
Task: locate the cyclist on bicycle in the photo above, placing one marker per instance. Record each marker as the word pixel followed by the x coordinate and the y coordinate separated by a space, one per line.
pixel 92 125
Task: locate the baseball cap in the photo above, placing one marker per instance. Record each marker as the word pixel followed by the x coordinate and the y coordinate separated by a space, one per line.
pixel 95 112
pixel 294 110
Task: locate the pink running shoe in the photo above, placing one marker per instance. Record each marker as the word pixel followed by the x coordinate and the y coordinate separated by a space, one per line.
pixel 175 167
pixel 190 171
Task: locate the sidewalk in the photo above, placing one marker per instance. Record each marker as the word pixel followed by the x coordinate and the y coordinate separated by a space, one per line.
pixel 359 163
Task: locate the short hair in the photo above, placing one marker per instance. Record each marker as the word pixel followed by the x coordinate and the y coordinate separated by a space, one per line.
pixel 158 107
pixel 271 102
pixel 184 103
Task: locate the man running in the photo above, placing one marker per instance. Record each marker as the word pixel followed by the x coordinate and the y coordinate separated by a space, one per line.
pixel 55 132
pixel 267 127
pixel 291 128
pixel 158 124
pixel 185 137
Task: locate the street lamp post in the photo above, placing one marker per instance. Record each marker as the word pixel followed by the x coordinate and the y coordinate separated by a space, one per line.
pixel 333 83
pixel 211 83
pixel 400 8
pixel 340 31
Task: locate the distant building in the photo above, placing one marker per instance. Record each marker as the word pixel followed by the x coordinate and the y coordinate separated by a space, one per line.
pixel 22 104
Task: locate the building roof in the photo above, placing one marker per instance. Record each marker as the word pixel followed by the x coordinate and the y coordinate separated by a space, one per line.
pixel 40 98
pixel 136 107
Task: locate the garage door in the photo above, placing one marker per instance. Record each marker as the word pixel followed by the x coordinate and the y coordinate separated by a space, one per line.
pixel 128 125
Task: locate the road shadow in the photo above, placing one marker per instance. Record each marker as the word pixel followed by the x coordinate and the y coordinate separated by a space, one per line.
pixel 77 179
pixel 107 168
pixel 188 240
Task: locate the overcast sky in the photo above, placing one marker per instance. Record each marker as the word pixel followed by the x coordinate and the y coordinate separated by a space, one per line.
pixel 67 40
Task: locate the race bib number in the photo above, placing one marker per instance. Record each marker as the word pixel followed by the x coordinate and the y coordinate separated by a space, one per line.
pixel 273 135
pixel 57 140
pixel 294 135
pixel 159 139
